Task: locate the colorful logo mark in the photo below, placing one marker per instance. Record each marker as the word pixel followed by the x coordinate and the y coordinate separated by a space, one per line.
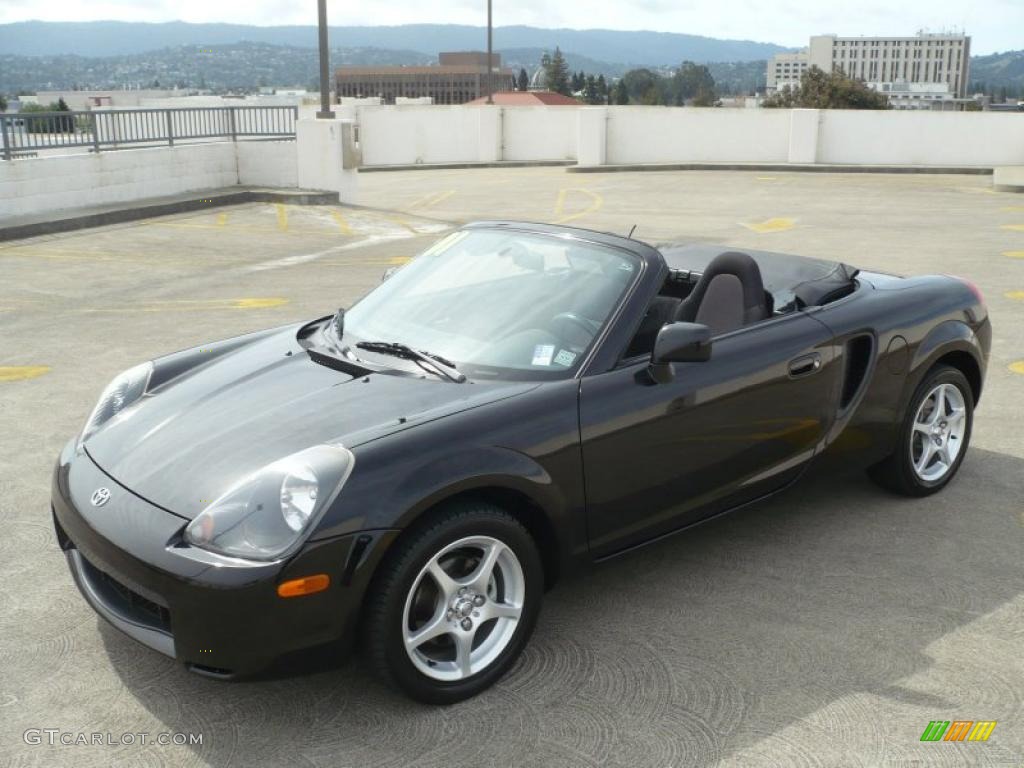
pixel 958 730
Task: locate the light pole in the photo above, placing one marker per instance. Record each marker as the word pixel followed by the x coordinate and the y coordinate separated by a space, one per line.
pixel 490 62
pixel 325 112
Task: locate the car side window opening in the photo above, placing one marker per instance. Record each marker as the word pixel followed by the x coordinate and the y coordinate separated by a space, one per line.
pixel 731 294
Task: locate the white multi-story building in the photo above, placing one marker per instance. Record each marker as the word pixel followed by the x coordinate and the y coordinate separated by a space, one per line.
pixel 786 69
pixel 934 96
pixel 942 61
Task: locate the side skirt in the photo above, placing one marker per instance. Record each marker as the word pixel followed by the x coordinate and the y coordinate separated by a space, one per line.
pixel 789 484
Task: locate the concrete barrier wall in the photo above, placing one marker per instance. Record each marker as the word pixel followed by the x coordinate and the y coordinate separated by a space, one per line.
pixel 690 135
pixel 415 134
pixel 267 163
pixel 595 136
pixel 921 138
pixel 423 134
pixel 407 135
pixel 539 133
pixel 75 181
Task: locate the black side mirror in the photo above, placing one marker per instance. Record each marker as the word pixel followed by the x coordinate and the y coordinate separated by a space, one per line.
pixel 679 343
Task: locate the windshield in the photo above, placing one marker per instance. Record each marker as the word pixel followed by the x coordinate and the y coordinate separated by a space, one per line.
pixel 498 303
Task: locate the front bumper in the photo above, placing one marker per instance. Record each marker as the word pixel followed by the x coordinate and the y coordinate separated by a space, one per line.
pixel 219 616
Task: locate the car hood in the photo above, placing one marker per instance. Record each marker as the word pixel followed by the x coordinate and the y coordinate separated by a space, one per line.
pixel 191 439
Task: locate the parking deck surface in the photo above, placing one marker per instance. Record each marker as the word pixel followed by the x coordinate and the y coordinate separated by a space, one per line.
pixel 828 626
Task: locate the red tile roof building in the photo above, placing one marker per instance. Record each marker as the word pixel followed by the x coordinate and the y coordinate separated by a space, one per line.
pixel 529 99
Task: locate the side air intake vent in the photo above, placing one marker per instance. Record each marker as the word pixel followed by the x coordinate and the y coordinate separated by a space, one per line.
pixel 857 361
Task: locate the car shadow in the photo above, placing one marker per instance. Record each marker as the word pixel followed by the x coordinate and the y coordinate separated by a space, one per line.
pixel 825 626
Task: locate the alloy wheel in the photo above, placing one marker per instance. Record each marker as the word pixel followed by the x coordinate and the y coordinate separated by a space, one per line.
pixel 463 608
pixel 938 434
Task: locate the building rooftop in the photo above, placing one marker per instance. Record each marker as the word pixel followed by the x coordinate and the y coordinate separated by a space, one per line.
pixel 529 99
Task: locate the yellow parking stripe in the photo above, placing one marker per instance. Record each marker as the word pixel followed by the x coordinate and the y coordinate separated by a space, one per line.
pixel 432 199
pixel 400 222
pixel 1015 295
pixel 1014 254
pixel 282 216
pixel 258 303
pixel 1017 367
pixel 440 198
pixel 22 372
pixel 561 217
pixel 769 225
pixel 1014 227
pixel 343 225
pixel 194 305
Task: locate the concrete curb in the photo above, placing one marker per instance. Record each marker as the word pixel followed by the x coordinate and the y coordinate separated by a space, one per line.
pixel 462 166
pixel 783 168
pixel 68 221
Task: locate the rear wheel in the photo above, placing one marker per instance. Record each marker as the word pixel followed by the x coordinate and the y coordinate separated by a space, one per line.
pixel 934 437
pixel 455 604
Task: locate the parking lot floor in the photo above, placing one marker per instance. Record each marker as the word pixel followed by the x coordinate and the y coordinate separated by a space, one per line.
pixel 827 626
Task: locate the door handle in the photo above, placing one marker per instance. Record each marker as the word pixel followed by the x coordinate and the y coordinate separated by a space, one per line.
pixel 805 366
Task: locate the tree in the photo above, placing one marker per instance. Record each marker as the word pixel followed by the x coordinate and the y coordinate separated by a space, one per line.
pixel 821 90
pixel 3 103
pixel 524 80
pixel 602 88
pixel 557 73
pixel 620 93
pixel 693 83
pixel 590 93
pixel 52 124
pixel 644 87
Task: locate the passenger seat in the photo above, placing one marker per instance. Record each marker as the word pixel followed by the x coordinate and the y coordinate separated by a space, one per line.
pixel 729 295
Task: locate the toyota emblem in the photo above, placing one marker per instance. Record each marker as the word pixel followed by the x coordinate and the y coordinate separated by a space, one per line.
pixel 100 497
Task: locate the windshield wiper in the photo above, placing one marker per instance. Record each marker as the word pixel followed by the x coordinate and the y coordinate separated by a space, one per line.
pixel 434 363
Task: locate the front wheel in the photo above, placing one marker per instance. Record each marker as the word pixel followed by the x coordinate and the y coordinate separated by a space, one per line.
pixel 934 437
pixel 455 603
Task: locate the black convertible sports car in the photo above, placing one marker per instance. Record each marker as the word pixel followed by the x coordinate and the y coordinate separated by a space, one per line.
pixel 517 401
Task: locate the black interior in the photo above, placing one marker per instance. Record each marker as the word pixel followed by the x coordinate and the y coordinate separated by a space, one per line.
pixel 689 296
pixel 725 311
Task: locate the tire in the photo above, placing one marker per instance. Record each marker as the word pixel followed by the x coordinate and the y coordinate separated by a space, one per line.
pixel 496 610
pixel 907 471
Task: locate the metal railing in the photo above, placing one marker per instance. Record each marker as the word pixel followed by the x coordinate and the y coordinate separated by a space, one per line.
pixel 25 134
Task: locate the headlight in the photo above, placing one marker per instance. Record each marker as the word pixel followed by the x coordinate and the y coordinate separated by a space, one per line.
pixel 263 516
pixel 124 390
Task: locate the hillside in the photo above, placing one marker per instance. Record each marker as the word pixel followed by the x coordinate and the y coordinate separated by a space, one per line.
pixel 114 38
pixel 997 71
pixel 242 66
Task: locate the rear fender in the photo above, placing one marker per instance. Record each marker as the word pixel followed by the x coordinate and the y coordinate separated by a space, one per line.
pixel 946 337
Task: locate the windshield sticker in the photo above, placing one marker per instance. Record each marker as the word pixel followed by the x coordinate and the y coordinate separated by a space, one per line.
pixel 565 358
pixel 542 354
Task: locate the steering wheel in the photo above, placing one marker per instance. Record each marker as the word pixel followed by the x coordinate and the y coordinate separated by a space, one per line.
pixel 589 327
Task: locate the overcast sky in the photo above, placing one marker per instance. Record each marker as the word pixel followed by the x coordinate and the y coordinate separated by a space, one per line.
pixel 995 25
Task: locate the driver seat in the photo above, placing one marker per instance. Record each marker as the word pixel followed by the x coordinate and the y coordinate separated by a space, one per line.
pixel 729 295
